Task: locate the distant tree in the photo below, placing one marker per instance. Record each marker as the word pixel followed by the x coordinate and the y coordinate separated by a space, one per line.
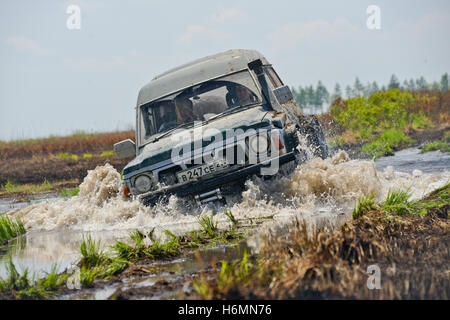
pixel 411 85
pixel 348 92
pixel 358 88
pixel 383 88
pixel 393 82
pixel 405 84
pixel 435 86
pixel 444 82
pixel 303 98
pixel 321 95
pixel 375 87
pixel 310 96
pixel 300 97
pixel 336 93
pixel 368 89
pixel 421 83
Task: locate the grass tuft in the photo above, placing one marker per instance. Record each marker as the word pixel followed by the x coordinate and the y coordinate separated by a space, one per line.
pixel 397 202
pixel 364 205
pixel 91 252
pixel 10 229
pixel 230 216
pixel 209 226
pixel 69 192
pixel 23 287
pixel 67 155
pixel 443 146
pixel 107 153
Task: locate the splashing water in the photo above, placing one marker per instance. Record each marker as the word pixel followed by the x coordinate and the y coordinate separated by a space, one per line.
pixel 331 185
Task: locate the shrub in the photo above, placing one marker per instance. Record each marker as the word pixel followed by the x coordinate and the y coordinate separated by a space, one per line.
pixel 386 143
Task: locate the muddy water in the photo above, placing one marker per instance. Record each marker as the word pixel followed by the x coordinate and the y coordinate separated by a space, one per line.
pixel 323 192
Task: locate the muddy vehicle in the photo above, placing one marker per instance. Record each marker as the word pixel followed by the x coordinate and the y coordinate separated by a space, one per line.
pixel 205 127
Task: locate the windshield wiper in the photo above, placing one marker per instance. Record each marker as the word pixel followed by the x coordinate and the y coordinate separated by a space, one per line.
pixel 173 129
pixel 232 110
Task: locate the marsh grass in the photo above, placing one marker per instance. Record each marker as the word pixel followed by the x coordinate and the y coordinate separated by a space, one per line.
pixel 233 220
pixel 397 202
pixel 231 274
pixel 386 143
pixel 139 250
pixel 69 192
pixel 95 263
pixel 67 155
pixel 364 205
pixel 238 271
pixel 91 253
pixel 10 228
pixel 108 153
pixel 208 225
pixel 10 187
pixel 202 287
pixel 437 203
pixel 18 286
pixel 443 146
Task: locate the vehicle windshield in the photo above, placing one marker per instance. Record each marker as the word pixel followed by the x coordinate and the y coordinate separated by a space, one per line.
pixel 197 103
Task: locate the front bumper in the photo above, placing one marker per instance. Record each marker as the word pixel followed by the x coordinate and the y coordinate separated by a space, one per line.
pixel 198 186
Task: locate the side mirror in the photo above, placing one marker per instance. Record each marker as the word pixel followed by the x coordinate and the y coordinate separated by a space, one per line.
pixel 283 94
pixel 125 149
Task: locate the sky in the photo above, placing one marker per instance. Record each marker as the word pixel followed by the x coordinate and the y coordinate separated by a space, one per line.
pixel 55 80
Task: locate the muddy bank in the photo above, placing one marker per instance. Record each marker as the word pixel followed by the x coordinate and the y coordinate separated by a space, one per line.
pixel 406 254
pixel 50 168
pixel 57 159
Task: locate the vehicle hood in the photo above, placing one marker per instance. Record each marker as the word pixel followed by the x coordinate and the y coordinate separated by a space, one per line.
pixel 159 153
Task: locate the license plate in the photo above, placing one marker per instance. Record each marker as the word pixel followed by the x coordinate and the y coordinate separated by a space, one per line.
pixel 200 171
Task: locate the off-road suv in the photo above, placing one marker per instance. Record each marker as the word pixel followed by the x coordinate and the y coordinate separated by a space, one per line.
pixel 205 127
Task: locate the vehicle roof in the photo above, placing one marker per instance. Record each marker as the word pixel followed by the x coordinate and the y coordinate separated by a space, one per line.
pixel 197 71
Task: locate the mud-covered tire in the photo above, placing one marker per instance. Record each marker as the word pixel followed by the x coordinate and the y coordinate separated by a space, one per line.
pixel 310 128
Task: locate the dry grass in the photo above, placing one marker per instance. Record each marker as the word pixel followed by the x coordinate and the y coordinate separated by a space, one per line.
pixel 77 144
pixel 58 158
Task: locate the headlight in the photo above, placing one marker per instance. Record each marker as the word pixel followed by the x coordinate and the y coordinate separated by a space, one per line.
pixel 259 143
pixel 143 183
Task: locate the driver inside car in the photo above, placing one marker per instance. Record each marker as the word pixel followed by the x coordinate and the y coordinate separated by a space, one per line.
pixel 243 95
pixel 239 95
pixel 184 110
pixel 166 116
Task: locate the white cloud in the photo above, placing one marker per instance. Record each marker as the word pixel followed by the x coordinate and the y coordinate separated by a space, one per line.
pixel 227 15
pixel 25 44
pixel 192 33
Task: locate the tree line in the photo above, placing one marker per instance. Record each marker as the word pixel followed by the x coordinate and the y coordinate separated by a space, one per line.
pixel 314 99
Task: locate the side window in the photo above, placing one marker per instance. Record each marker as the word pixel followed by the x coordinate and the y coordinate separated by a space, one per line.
pixel 276 81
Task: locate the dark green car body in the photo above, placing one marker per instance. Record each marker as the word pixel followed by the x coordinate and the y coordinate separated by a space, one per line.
pixel 274 115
